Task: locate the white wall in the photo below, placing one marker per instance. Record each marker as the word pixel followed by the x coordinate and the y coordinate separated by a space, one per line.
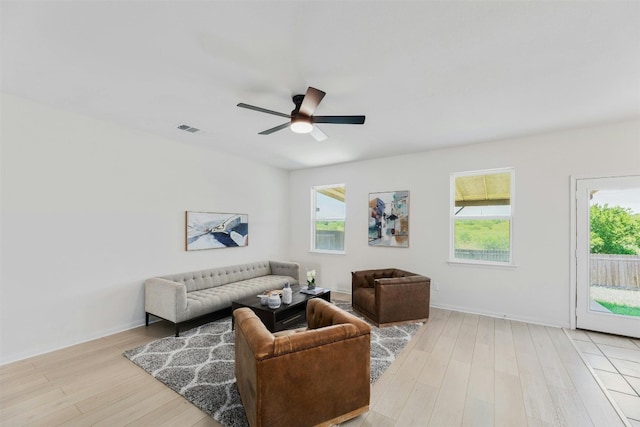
pixel 90 210
pixel 538 288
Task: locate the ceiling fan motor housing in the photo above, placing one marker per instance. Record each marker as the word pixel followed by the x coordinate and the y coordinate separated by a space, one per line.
pixel 297 99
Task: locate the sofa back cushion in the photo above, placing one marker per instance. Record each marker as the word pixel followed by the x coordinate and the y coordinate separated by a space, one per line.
pixel 204 279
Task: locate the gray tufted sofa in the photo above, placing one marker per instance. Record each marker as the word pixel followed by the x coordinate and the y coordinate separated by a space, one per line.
pixel 185 296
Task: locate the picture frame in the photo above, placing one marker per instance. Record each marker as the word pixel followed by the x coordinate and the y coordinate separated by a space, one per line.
pixel 389 219
pixel 214 230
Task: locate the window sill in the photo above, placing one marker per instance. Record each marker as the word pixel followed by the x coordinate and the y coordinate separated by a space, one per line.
pixel 485 264
pixel 324 252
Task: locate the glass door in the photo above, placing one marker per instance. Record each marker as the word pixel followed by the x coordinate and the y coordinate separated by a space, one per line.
pixel 608 255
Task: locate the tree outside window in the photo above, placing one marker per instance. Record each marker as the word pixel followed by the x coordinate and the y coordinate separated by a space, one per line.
pixel 614 230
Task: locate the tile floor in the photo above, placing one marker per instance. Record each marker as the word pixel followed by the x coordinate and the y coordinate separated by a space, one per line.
pixel 616 362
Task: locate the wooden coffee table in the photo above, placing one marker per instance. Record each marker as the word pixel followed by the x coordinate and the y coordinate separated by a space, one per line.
pixel 284 316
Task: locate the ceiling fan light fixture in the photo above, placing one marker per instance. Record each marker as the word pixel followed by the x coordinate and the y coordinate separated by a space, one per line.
pixel 302 119
pixel 301 125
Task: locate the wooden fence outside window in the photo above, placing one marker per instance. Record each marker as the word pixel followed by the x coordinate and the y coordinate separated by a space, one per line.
pixel 619 271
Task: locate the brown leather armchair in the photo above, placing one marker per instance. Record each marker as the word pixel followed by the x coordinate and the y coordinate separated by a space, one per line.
pixel 318 376
pixel 390 296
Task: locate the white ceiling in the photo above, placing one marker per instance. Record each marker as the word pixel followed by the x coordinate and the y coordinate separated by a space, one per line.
pixel 426 74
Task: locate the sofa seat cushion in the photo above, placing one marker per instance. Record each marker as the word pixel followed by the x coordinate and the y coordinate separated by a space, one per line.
pixel 207 301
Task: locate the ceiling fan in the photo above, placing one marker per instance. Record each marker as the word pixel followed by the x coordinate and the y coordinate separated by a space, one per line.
pixel 302 119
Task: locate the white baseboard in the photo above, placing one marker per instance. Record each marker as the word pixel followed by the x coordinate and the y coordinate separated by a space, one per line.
pixel 90 337
pixel 507 316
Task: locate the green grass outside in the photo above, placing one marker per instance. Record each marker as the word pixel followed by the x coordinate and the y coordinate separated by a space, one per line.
pixel 330 226
pixel 482 234
pixel 625 310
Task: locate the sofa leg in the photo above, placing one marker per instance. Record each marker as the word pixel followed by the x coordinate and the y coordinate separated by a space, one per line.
pixel 177 330
pixel 146 322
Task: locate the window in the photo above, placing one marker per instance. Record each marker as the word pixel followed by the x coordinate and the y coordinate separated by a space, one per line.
pixel 482 217
pixel 328 218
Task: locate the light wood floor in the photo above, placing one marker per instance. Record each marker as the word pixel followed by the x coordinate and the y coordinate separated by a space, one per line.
pixel 459 369
pixel 468 370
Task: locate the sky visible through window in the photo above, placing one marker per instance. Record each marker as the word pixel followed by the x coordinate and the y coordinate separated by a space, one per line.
pixel 628 198
pixel 504 210
pixel 329 208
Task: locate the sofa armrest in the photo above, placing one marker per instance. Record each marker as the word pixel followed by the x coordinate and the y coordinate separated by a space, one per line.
pixel 283 268
pixel 165 299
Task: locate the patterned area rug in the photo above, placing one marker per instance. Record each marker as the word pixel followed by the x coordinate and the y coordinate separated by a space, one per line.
pixel 199 364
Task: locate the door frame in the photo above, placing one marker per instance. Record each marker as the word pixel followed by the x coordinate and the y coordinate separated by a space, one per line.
pixel 573 254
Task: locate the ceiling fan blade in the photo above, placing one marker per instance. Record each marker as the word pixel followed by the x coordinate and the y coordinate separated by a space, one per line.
pixel 275 129
pixel 263 110
pixel 311 100
pixel 343 120
pixel 318 134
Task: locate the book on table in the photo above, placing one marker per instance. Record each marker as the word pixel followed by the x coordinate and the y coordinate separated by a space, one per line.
pixel 315 291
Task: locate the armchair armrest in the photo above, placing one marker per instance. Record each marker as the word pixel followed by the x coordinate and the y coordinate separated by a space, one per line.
pixel 415 280
pixel 283 268
pixel 255 335
pixel 409 294
pixel 386 288
pixel 165 299
pixel 312 338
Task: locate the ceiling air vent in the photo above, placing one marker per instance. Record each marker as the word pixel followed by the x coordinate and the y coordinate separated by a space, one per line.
pixel 189 128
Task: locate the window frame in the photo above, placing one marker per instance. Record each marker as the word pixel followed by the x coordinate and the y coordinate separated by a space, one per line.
pixel 510 217
pixel 314 191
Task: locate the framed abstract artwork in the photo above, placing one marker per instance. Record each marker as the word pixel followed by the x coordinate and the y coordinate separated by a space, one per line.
pixel 209 230
pixel 389 219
